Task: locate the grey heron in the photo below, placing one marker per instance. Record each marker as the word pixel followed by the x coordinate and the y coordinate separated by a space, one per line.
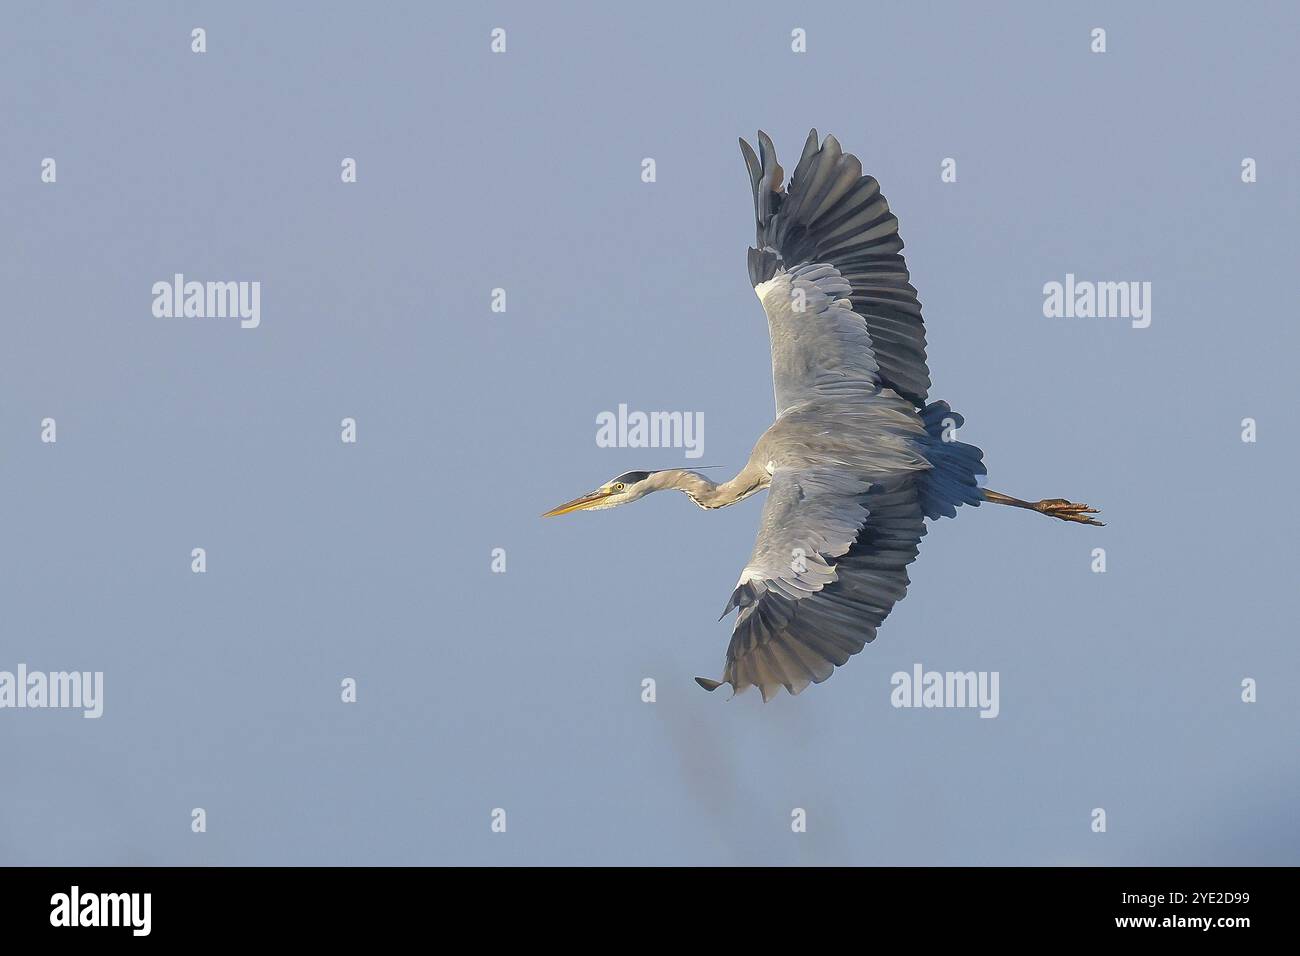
pixel 858 457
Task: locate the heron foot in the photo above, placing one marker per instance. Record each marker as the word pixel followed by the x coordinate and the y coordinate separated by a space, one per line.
pixel 1055 507
pixel 1068 511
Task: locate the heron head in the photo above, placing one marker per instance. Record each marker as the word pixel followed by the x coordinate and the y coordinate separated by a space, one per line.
pixel 619 490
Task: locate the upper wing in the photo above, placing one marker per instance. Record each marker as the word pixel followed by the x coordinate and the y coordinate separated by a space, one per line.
pixel 830 562
pixel 832 215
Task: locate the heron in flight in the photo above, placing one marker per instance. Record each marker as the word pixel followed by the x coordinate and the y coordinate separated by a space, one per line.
pixel 858 457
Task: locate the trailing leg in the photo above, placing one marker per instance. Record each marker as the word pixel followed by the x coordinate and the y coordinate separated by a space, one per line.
pixel 1054 507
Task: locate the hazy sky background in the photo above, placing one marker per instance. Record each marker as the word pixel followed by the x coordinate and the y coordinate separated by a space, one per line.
pixel 522 690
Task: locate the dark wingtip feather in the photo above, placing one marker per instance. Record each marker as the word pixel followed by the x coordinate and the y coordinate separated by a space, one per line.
pixel 743 596
pixel 772 168
pixel 754 167
pixel 709 685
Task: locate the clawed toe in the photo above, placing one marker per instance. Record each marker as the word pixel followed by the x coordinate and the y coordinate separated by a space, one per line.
pixel 1068 511
pixel 1081 518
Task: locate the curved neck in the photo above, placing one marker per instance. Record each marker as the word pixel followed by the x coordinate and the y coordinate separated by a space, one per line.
pixel 703 492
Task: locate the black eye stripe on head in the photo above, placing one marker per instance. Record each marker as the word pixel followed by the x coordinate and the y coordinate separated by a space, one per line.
pixel 631 477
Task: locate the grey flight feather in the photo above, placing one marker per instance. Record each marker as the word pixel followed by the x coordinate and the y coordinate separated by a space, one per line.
pixel 832 214
pixel 830 562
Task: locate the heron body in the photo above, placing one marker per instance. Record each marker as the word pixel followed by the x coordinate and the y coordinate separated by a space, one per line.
pixel 857 458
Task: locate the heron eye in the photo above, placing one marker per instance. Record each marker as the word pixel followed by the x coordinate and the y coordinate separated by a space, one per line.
pixel 618 486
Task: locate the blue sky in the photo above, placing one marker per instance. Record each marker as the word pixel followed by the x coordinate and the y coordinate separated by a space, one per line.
pixel 522 690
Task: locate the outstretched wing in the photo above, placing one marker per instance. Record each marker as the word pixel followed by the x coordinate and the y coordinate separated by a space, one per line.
pixel 834 219
pixel 829 564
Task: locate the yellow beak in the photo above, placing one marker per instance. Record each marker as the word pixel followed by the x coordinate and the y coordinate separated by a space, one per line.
pixel 577 504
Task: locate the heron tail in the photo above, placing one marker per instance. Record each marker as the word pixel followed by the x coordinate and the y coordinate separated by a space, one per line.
pixel 956 467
